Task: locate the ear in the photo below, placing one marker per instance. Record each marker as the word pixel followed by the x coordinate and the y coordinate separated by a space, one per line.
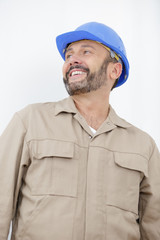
pixel 116 70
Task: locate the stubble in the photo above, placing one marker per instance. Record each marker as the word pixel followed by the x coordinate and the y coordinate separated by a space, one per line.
pixel 92 82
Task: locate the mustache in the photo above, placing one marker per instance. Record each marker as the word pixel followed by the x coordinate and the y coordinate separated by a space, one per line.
pixel 77 67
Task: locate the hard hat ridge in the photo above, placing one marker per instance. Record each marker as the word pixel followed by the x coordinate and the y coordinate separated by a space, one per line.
pixel 97 32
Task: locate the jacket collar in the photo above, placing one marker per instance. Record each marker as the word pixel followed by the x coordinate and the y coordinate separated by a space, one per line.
pixel 116 120
pixel 67 105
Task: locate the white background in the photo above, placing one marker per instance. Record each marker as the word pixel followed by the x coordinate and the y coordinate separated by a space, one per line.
pixel 30 65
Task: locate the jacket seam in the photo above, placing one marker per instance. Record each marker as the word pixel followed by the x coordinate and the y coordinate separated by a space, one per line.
pixel 21 120
pixel 113 151
pixel 122 152
pixel 25 132
pixel 152 152
pixel 39 140
pixel 123 209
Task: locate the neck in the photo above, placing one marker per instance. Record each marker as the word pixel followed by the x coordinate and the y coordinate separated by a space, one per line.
pixel 93 107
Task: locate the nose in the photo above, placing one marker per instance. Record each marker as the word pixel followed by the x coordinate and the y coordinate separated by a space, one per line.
pixel 74 59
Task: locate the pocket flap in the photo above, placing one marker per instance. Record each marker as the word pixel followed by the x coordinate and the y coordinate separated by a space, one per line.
pixel 49 148
pixel 132 161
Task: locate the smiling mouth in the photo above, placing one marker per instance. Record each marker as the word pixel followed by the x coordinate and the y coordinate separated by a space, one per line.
pixel 77 71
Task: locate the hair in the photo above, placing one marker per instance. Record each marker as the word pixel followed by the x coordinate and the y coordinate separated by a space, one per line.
pixel 115 83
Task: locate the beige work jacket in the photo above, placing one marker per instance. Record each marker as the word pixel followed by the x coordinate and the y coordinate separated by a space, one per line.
pixel 58 181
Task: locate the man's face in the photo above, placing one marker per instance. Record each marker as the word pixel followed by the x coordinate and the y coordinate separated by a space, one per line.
pixel 85 67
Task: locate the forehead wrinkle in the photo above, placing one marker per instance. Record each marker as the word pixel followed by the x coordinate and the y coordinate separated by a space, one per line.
pixel 87 45
pixel 82 46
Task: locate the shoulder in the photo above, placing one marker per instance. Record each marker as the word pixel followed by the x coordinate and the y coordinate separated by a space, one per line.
pixel 36 108
pixel 48 108
pixel 33 114
pixel 141 141
pixel 130 138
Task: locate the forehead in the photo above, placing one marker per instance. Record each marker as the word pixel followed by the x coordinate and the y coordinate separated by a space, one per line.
pixel 85 43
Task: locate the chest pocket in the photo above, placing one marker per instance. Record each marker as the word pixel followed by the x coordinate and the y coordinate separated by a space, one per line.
pixel 124 178
pixel 54 168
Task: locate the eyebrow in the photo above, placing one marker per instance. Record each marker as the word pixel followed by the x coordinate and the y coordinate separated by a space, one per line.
pixel 83 46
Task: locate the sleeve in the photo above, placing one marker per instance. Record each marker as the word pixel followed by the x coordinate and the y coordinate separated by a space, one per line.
pixel 149 207
pixel 13 160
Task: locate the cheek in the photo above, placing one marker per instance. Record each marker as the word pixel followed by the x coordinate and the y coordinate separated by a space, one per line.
pixel 94 65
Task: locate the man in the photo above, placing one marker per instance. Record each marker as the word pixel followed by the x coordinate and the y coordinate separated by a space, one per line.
pixel 74 170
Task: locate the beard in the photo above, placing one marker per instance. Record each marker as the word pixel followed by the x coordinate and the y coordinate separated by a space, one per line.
pixel 92 82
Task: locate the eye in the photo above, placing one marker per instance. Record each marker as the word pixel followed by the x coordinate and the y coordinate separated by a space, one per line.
pixel 86 52
pixel 68 56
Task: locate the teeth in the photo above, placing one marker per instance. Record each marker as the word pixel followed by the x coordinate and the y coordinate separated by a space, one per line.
pixel 77 73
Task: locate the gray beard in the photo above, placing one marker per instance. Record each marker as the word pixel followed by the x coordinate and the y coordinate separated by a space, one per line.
pixel 92 82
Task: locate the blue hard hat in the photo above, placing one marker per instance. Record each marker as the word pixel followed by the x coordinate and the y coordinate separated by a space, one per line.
pixel 96 32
